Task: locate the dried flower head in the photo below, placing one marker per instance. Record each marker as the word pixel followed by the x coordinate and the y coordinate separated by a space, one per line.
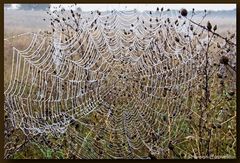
pixel 219 75
pixel 191 27
pixel 183 12
pixel 215 28
pixel 176 39
pixel 170 146
pixel 231 93
pixel 224 60
pixel 209 26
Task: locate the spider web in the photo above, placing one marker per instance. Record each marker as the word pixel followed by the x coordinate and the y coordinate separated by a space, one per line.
pixel 117 87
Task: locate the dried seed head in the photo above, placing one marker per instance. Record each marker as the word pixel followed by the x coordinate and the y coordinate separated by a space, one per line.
pixel 168 20
pixel 218 125
pixel 219 75
pixel 215 28
pixel 183 12
pixel 176 39
pixel 209 26
pixel 170 145
pixel 99 13
pixel 224 60
pixel 191 28
pixel 232 36
pixel 231 93
pixel 213 126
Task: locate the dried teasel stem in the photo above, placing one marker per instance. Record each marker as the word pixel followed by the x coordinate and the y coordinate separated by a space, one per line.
pixel 213 32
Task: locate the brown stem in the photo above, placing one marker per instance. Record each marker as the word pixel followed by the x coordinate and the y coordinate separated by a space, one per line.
pixel 214 33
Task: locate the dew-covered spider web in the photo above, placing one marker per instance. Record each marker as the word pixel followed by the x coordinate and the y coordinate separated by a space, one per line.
pixel 118 85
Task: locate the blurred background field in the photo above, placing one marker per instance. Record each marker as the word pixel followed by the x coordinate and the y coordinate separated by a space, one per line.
pixel 21 21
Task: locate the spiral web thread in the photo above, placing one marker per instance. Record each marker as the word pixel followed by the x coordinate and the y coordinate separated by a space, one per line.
pixel 117 87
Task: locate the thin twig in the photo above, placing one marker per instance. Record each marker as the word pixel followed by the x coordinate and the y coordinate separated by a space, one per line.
pixel 214 33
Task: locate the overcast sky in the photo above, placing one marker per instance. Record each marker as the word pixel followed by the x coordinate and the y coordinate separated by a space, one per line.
pixel 141 7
